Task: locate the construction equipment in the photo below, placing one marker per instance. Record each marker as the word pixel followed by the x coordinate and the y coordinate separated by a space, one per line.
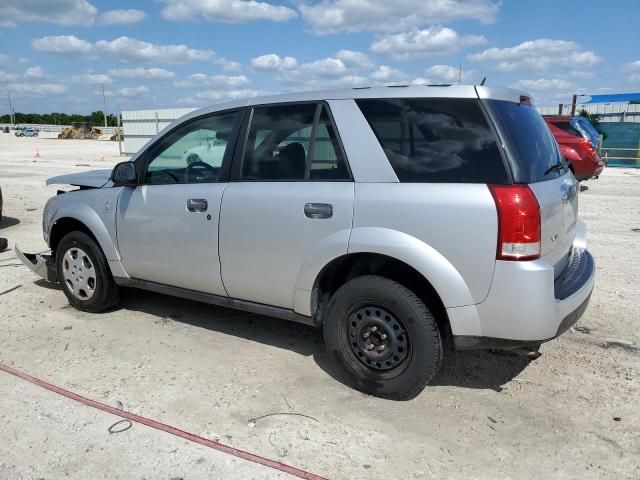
pixel 116 136
pixel 80 131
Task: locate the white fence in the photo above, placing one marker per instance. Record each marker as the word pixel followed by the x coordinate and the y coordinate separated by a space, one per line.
pixel 139 126
pixel 58 128
pixel 606 112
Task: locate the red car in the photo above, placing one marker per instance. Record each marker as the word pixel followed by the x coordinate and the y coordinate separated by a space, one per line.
pixel 578 149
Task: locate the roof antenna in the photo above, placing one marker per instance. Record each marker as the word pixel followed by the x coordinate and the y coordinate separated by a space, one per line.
pixel 483 80
pixel 460 73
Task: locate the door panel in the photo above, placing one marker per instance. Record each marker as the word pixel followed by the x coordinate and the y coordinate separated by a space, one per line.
pixel 265 235
pixel 161 241
pixel 167 228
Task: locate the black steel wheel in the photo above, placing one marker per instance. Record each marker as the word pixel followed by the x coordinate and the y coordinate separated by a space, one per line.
pixel 377 338
pixel 382 338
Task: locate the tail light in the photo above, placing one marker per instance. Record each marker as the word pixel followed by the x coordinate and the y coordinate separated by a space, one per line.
pixel 586 144
pixel 518 222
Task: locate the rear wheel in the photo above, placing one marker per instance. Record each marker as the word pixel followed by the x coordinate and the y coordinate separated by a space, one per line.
pixel 382 338
pixel 84 274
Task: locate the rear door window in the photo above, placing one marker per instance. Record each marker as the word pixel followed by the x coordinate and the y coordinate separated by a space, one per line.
pixel 529 140
pixel 294 142
pixel 436 139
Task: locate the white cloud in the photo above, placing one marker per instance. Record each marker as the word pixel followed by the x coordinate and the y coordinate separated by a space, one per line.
pixel 62 45
pixel 425 43
pixel 122 17
pixel 333 16
pixel 324 68
pixel 354 59
pixel 142 73
pixel 228 65
pixel 230 11
pixel 543 84
pixel 218 95
pixel 330 72
pixel 36 89
pixel 5 59
pixel 272 61
pixel 345 69
pixel 130 92
pixel 385 73
pixel 537 55
pixel 218 81
pixel 632 70
pixel 8 77
pixel 129 49
pixel 61 12
pixel 94 78
pixel 447 74
pixel 580 74
pixel 34 72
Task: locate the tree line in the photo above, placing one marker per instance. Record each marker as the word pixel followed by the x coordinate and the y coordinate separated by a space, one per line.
pixel 96 119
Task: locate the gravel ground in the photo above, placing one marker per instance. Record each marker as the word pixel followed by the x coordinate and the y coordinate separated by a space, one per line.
pixel 573 413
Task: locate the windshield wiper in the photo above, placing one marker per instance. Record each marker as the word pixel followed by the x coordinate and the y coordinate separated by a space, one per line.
pixel 557 167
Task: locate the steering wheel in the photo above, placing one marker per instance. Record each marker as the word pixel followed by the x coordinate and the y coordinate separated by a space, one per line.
pixel 195 171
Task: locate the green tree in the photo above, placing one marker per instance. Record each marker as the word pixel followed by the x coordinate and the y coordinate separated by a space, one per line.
pixel 96 119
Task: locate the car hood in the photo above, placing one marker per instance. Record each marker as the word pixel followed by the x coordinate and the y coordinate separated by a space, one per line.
pixel 93 178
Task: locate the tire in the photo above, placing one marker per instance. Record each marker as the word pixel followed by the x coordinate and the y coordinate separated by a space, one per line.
pixel 413 345
pixel 84 274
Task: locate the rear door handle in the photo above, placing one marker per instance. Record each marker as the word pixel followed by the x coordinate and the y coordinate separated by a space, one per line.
pixel 197 205
pixel 318 210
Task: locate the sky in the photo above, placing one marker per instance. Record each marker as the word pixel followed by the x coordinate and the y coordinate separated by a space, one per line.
pixel 56 55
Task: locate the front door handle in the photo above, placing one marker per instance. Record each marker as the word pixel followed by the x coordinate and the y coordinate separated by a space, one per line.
pixel 197 205
pixel 318 210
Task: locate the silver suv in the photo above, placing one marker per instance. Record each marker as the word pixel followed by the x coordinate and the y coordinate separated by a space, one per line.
pixel 400 220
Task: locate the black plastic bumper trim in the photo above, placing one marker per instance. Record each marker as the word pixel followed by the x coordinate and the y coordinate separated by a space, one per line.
pixel 577 273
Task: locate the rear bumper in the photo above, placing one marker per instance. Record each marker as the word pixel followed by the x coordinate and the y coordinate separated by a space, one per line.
pixel 526 305
pixel 582 176
pixel 41 265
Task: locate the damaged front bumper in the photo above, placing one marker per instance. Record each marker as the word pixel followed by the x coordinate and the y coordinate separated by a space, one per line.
pixel 42 265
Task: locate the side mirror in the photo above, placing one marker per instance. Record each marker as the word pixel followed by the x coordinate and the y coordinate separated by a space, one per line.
pixel 124 175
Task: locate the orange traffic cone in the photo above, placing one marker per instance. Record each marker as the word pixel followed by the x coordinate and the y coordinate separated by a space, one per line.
pixel 101 156
pixel 37 153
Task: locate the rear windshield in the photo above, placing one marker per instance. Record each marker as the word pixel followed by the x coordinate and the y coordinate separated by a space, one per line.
pixel 588 130
pixel 529 140
pixel 567 128
pixel 436 139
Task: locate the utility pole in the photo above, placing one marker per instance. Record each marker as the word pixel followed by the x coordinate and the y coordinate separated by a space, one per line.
pixel 574 100
pixel 119 129
pixel 104 101
pixel 12 115
pixel 460 73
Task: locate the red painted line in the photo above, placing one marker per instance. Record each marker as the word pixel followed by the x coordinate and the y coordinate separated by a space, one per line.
pixel 165 428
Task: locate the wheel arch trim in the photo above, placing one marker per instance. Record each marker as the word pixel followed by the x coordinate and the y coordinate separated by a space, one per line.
pixel 433 266
pixel 88 217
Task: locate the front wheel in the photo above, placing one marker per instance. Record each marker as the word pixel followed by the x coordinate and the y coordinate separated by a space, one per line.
pixel 84 274
pixel 382 338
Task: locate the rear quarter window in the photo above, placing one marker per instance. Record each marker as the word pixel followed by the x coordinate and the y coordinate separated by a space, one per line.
pixel 436 139
pixel 529 140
